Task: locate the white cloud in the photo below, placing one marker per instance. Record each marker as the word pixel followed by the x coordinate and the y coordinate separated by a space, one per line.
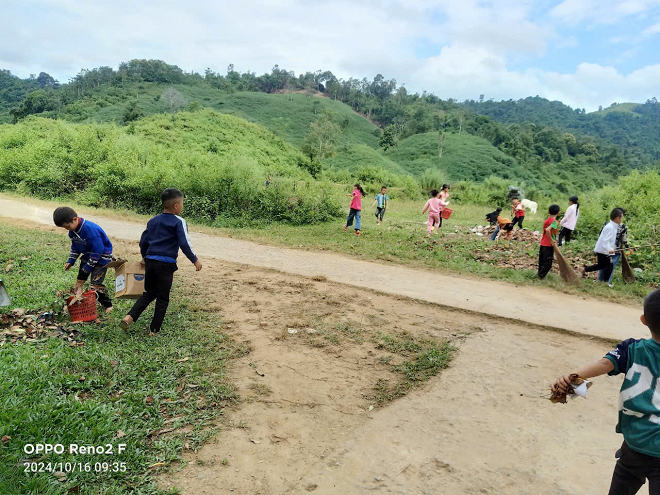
pixel 476 41
pixel 600 11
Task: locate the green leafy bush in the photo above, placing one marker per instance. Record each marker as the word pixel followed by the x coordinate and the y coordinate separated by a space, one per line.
pixel 103 165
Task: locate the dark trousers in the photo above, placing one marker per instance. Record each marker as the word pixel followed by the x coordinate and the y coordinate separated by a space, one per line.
pixel 546 255
pixel 158 278
pixel 519 221
pixel 564 234
pixel 632 470
pixel 97 278
pixel 604 263
pixel 380 213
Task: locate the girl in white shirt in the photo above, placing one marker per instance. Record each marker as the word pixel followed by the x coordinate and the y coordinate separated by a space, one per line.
pixel 569 221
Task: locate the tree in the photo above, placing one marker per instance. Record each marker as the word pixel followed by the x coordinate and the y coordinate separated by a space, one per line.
pixel 388 139
pixel 173 98
pixel 132 112
pixel 320 140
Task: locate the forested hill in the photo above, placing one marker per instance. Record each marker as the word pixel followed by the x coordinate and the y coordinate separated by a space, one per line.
pixel 544 144
pixel 636 131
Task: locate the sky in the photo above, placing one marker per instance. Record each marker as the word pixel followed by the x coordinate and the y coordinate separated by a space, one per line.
pixel 585 53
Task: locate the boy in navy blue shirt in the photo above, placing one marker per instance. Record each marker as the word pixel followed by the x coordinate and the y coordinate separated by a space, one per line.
pixel 159 245
pixel 91 244
pixel 639 403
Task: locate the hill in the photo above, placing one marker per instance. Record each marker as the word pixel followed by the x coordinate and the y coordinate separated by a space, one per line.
pixel 220 162
pixel 635 130
pixel 536 140
pixel 619 107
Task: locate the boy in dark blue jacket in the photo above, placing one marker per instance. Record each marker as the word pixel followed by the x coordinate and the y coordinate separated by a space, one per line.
pixel 159 245
pixel 90 241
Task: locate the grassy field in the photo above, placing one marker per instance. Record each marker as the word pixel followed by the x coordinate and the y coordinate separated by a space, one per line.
pixel 402 240
pixel 115 389
pixel 621 107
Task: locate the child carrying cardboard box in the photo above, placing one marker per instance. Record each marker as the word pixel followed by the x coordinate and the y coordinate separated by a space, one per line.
pixel 159 245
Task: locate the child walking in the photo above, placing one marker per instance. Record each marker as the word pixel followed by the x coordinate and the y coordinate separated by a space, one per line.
pixel 518 212
pixel 606 247
pixel 569 221
pixel 91 244
pixel 546 253
pixel 639 403
pixel 159 245
pixel 433 206
pixel 444 196
pixel 381 203
pixel 355 211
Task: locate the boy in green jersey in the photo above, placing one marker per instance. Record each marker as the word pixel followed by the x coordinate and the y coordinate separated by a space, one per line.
pixel 639 403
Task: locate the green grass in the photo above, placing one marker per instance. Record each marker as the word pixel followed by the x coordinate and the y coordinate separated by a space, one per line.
pixel 132 383
pixel 620 107
pixel 464 157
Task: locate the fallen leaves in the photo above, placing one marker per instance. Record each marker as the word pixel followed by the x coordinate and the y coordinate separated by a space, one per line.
pixel 5 438
pixel 120 434
pixel 560 397
pixel 34 327
pixel 8 268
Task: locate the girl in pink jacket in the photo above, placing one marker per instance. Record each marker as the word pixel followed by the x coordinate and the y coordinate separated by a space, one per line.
pixel 433 206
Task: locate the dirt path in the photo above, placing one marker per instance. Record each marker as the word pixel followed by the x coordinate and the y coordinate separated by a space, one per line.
pixel 481 427
pixel 533 305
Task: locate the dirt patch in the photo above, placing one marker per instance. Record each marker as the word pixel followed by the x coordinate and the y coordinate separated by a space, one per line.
pixel 310 418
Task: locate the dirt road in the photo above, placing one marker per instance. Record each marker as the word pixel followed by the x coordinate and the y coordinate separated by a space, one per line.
pixel 533 305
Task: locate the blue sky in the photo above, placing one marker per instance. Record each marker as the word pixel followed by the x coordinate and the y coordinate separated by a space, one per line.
pixel 585 53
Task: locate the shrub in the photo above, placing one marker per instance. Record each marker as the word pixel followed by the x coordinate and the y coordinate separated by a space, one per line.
pixel 102 165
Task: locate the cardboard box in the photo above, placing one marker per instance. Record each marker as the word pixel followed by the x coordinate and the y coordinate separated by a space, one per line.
pixel 129 279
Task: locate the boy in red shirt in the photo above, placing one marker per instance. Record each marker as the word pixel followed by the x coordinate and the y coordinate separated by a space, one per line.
pixel 549 239
pixel 518 211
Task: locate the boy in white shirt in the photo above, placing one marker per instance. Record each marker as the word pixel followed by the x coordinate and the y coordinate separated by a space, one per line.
pixel 606 246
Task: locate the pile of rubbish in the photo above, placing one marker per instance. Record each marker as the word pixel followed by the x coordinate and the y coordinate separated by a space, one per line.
pixel 520 235
pixel 18 325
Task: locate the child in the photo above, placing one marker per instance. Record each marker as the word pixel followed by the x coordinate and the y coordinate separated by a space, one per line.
pixel 518 211
pixel 355 211
pixel 569 221
pixel 492 217
pixel 90 241
pixel 605 247
pixel 503 224
pixel 639 403
pixel 546 253
pixel 444 196
pixel 381 203
pixel 159 245
pixel 620 245
pixel 434 206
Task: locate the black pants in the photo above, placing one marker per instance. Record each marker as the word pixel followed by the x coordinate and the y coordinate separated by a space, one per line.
pixel 519 221
pixel 546 255
pixel 604 263
pixel 564 234
pixel 380 213
pixel 97 278
pixel 631 471
pixel 158 278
